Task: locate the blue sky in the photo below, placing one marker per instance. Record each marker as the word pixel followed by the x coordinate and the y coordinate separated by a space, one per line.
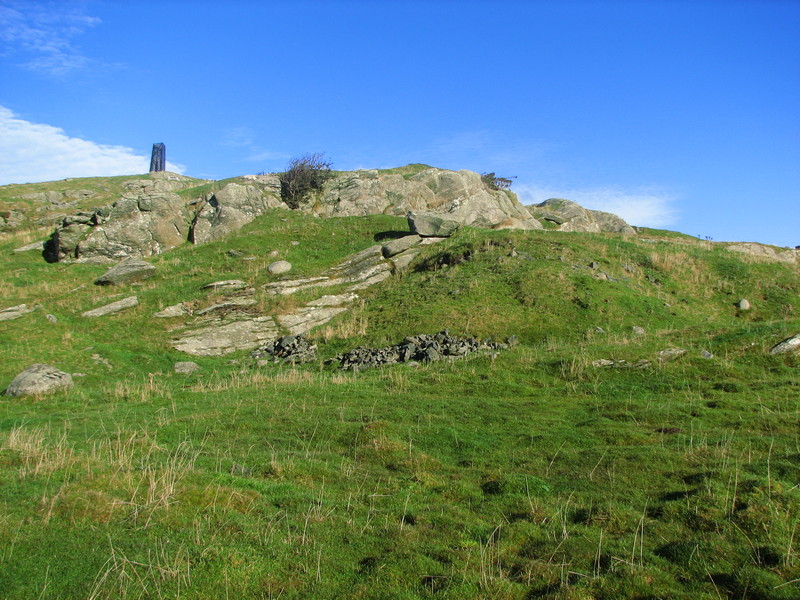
pixel 674 114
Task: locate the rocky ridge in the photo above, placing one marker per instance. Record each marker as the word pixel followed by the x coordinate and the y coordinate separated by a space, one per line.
pixel 152 216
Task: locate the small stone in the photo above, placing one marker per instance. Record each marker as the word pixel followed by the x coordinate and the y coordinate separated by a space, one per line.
pixel 603 362
pixel 670 354
pixel 638 330
pixel 669 430
pixel 706 354
pixel 227 285
pixel 235 253
pixel 273 254
pixel 743 305
pixel 295 243
pixel 51 318
pixel 99 360
pixel 186 367
pixel 279 267
pixel 176 310
pixel 39 379
pixel 241 470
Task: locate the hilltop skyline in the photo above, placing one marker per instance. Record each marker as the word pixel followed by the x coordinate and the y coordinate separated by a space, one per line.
pixel 673 115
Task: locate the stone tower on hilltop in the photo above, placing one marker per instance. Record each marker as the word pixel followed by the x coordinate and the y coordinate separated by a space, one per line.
pixel 158 159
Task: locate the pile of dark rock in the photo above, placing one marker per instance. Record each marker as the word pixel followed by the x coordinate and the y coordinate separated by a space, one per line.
pixel 287 349
pixel 418 348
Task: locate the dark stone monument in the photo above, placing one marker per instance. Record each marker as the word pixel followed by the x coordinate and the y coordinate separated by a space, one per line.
pixel 158 159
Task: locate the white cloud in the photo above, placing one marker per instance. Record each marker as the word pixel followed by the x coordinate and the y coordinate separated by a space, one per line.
pixel 31 152
pixel 42 34
pixel 643 207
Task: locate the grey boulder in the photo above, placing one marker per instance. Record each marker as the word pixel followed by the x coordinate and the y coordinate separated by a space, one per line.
pixel 279 267
pixel 127 271
pixel 39 379
pixel 427 225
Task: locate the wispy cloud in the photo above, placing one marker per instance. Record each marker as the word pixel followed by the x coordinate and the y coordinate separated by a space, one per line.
pixel 31 152
pixel 42 34
pixel 484 150
pixel 639 206
pixel 243 141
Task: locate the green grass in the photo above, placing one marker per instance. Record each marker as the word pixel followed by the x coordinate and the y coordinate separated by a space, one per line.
pixel 531 474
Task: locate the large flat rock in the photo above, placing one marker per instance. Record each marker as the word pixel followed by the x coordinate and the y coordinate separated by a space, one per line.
pixel 218 338
pixel 127 271
pixel 15 312
pixel 112 308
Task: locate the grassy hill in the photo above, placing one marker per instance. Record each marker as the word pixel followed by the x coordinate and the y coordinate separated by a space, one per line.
pixel 531 473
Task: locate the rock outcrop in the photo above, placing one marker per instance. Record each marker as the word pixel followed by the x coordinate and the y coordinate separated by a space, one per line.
pixel 148 219
pixel 151 218
pixel 764 253
pixel 234 206
pixel 141 225
pixel 459 195
pixel 565 215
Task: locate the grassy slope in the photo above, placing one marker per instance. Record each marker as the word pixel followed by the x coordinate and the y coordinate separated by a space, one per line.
pixel 528 475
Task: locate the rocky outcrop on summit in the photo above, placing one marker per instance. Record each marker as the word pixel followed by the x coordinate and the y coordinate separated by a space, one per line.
pixel 151 218
pixel 459 195
pixel 566 215
pixel 143 225
pixel 148 219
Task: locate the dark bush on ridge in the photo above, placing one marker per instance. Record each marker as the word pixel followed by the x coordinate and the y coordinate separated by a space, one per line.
pixel 304 175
